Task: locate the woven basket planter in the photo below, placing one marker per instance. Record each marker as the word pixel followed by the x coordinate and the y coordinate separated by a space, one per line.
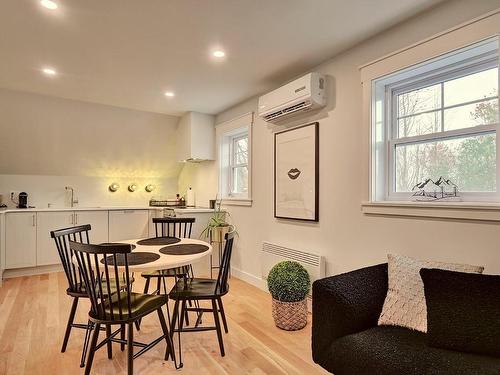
pixel 290 316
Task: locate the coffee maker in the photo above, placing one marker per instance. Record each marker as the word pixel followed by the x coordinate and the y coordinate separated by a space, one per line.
pixel 23 200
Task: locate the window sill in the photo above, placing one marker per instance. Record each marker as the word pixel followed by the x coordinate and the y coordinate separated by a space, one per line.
pixel 236 202
pixel 473 211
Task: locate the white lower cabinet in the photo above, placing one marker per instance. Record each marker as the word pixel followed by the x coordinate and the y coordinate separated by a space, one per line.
pixel 27 234
pixel 98 221
pixel 128 224
pixel 46 251
pixel 20 240
pixel 153 214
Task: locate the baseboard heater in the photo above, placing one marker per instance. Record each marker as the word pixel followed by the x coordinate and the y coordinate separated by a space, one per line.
pixel 273 253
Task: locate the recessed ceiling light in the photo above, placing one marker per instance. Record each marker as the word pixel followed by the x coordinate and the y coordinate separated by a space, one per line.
pixel 49 4
pixel 219 53
pixel 170 94
pixel 49 71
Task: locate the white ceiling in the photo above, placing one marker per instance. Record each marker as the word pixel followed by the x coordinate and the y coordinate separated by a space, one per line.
pixel 127 53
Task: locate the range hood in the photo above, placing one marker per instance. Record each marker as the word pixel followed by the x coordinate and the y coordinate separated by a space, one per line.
pixel 196 137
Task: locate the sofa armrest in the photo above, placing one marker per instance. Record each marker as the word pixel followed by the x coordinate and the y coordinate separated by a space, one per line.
pixel 345 304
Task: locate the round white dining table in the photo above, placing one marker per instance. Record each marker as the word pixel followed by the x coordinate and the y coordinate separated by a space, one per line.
pixel 166 261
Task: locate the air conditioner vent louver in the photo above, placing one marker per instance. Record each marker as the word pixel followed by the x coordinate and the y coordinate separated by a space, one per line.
pixel 296 107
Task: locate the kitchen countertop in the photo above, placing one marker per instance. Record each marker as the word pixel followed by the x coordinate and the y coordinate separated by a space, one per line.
pixel 103 208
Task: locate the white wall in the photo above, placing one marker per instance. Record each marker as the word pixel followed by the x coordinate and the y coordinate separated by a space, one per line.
pixel 47 143
pixel 347 238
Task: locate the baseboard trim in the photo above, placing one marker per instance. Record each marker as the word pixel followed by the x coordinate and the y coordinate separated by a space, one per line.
pixel 249 278
pixel 31 271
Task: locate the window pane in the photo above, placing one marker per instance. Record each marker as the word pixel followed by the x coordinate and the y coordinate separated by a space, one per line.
pixel 472 87
pixel 468 115
pixel 424 123
pixel 421 100
pixel 240 151
pixel 469 162
pixel 240 180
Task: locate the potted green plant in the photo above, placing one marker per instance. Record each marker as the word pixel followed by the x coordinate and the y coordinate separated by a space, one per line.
pixel 217 225
pixel 289 282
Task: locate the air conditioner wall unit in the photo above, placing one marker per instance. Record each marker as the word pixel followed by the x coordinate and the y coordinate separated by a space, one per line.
pixel 303 94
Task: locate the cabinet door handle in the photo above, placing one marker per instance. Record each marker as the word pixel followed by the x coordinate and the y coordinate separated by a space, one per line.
pixel 76 219
pixel 72 219
pixel 33 220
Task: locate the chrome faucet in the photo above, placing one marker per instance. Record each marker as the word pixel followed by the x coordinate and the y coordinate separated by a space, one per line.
pixel 73 200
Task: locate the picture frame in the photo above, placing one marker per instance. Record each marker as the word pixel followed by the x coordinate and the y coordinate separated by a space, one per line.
pixel 296 173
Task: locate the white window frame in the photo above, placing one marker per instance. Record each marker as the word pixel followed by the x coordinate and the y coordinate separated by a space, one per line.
pixel 384 93
pixel 228 133
pixel 233 165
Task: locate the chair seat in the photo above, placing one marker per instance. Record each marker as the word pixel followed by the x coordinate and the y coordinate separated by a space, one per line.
pixel 140 305
pixel 171 272
pixel 80 290
pixel 196 288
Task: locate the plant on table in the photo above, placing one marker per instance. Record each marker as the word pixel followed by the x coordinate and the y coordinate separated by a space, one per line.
pixel 217 225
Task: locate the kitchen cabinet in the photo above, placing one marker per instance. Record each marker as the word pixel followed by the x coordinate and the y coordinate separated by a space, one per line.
pixel 48 221
pixel 20 240
pixel 46 251
pixel 128 224
pixel 153 214
pixel 196 137
pixel 98 221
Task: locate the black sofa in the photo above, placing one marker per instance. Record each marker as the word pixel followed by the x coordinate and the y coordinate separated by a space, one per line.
pixel 347 340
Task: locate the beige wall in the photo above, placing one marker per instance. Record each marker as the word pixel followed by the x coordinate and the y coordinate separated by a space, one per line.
pixel 47 143
pixel 347 238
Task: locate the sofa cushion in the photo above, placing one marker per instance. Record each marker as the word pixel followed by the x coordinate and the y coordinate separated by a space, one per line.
pixel 395 351
pixel 463 311
pixel 404 304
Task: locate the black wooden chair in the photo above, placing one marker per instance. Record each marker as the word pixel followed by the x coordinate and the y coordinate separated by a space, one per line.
pixel 170 227
pixel 99 265
pixel 76 286
pixel 198 289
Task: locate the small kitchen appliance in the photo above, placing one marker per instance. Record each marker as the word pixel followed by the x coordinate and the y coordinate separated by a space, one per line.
pixel 23 200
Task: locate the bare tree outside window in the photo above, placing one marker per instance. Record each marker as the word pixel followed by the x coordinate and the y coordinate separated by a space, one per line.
pixel 464 102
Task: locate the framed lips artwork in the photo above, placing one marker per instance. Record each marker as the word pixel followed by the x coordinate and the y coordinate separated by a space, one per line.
pixel 296 173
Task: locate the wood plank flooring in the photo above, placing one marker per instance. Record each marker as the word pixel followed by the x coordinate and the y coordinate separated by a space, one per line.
pixel 34 311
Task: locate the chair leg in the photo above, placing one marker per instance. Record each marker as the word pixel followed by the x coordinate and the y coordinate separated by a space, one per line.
pixel 170 345
pixel 130 349
pixel 70 323
pixel 222 314
pixel 146 290
pixel 186 316
pixel 158 285
pixel 93 344
pixel 109 344
pixel 86 341
pixel 217 326
pixel 174 318
pixel 183 314
pixel 122 337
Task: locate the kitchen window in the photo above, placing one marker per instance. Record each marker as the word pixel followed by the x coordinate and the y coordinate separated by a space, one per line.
pixel 234 142
pixel 439 119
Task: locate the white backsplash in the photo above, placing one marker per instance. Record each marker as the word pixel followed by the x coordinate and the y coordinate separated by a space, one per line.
pixel 90 191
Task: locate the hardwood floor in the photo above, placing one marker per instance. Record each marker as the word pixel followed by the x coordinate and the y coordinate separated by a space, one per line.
pixel 34 311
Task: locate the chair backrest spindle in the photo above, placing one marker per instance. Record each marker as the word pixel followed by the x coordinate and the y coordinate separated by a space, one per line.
pixel 61 238
pixel 106 294
pixel 174 226
pixel 221 286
